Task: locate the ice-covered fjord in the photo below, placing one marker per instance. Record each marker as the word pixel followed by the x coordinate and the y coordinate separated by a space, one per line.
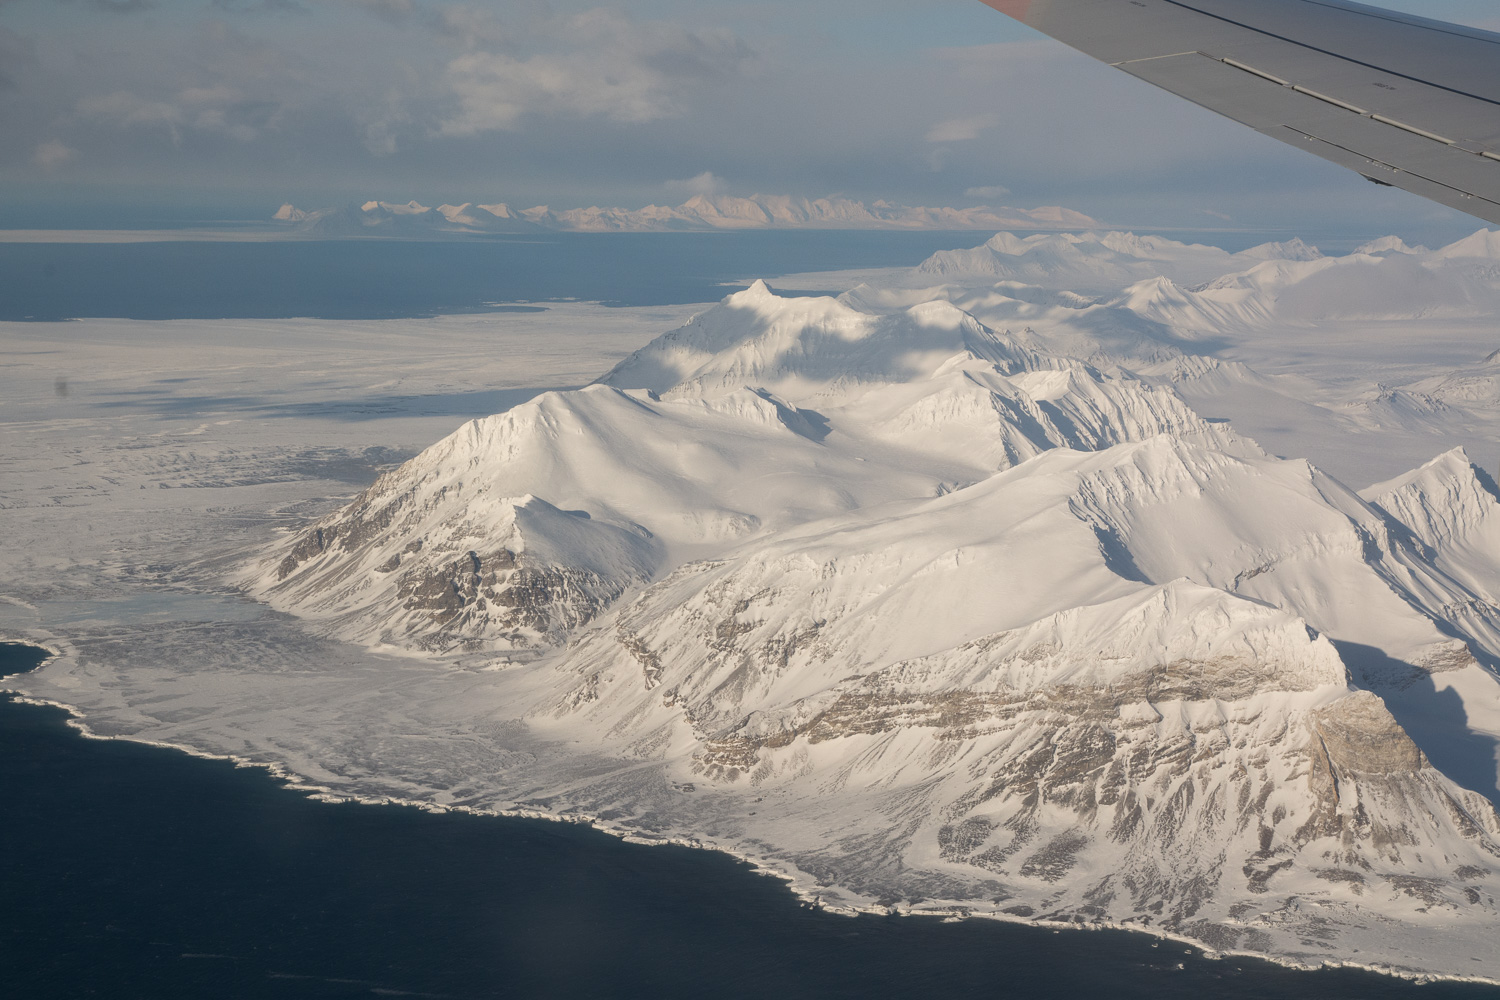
pixel 1091 579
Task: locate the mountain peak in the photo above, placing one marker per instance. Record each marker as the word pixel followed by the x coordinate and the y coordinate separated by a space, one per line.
pixel 1389 245
pixel 755 291
pixel 1292 249
pixel 1481 243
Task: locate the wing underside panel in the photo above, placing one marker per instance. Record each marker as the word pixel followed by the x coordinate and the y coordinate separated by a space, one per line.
pixel 1403 101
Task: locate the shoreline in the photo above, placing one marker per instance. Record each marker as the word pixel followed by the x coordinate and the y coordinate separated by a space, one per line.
pixel 791 878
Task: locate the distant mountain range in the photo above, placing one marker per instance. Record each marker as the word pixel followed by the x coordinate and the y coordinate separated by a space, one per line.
pixel 701 212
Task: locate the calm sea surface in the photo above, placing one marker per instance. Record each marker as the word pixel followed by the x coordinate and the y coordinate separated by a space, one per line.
pixel 132 871
pixel 379 279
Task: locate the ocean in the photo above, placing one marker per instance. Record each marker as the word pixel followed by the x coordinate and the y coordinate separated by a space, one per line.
pixel 388 279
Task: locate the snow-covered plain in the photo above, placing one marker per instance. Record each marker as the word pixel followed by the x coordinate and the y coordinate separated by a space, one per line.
pixel 1090 578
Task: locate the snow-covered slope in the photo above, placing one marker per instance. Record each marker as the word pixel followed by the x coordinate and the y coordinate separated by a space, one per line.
pixel 1452 509
pixel 762 413
pixel 930 599
pixel 1092 262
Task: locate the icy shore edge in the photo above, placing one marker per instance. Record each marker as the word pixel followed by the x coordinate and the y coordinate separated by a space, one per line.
pixel 798 883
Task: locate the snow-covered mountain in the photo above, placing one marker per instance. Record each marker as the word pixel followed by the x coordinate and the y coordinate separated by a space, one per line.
pixel 944 600
pixel 760 414
pixel 380 218
pixel 701 212
pixel 1093 261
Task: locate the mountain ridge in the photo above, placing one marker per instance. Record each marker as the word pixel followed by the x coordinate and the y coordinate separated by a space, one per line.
pixel 700 212
pixel 945 613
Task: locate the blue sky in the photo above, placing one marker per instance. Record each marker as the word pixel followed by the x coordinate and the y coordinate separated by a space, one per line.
pixel 231 106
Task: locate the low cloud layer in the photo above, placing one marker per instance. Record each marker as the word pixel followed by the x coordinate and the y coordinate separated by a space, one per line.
pixel 600 63
pixel 962 129
pixel 51 155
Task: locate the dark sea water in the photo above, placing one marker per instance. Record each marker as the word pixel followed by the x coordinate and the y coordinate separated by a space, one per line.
pixel 379 279
pixel 132 871
pixel 385 279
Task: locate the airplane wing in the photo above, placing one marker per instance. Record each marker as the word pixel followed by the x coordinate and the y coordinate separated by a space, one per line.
pixel 1403 100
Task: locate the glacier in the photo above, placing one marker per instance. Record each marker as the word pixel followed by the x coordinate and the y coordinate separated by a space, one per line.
pixel 1025 583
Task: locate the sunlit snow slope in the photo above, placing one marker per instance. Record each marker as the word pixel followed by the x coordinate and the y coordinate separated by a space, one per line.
pixel 942 594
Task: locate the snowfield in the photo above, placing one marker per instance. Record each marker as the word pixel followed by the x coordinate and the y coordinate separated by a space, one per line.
pixel 1089 579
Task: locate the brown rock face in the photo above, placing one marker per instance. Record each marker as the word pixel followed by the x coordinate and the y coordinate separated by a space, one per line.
pixel 1361 737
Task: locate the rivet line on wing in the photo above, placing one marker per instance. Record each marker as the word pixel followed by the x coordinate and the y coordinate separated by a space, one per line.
pixel 1355 109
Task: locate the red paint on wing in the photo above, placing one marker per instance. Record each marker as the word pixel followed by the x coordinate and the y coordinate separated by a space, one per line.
pixel 1015 8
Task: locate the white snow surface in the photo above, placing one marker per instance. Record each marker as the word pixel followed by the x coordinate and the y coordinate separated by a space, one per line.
pixel 1036 582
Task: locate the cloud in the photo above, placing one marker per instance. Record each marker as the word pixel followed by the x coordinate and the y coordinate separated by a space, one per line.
pixel 126 110
pixel 993 191
pixel 219 109
pixel 567 104
pixel 705 184
pixel 600 64
pixel 121 6
pixel 52 154
pixel 232 84
pixel 15 52
pixel 253 6
pixel 387 7
pixel 381 123
pixel 961 129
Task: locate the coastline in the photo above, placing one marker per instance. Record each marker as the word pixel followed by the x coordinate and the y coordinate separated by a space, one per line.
pixel 801 886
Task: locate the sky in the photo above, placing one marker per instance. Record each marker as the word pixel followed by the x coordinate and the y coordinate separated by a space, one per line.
pixel 199 109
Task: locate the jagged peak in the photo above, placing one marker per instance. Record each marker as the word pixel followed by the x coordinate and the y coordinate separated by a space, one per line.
pixel 1010 243
pixel 941 312
pixel 1442 500
pixel 1480 243
pixel 1389 244
pixel 1143 246
pixel 757 290
pixel 1293 249
pixel 1154 289
pixel 1451 464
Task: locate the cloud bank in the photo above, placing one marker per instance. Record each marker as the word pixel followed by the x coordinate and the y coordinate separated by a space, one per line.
pixel 570 102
